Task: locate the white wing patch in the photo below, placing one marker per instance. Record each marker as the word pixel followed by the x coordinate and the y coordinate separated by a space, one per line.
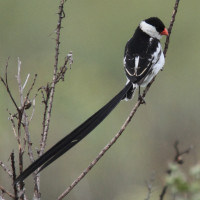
pixel 136 64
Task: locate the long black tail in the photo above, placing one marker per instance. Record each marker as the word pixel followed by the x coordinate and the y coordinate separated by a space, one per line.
pixel 75 136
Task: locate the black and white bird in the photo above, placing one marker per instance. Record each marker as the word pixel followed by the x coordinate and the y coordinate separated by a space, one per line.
pixel 143 56
pixel 143 59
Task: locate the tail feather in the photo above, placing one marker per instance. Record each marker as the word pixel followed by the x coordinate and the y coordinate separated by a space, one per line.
pixel 75 136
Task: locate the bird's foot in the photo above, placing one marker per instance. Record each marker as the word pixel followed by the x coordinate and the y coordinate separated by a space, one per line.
pixel 141 99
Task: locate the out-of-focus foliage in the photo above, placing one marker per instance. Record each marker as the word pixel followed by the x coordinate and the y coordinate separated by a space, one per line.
pixel 96 32
pixel 183 185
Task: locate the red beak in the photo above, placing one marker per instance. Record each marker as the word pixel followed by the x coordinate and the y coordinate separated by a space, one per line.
pixel 165 32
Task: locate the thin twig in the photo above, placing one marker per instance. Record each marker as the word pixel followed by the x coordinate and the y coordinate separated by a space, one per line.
pixel 37 194
pixel 7 192
pixel 26 81
pixel 47 117
pixel 63 69
pixel 20 118
pixel 30 89
pixel 23 120
pixel 171 25
pixel 33 110
pixel 6 169
pixel 27 134
pixel 45 101
pixel 12 156
pixel 132 113
pixel 5 82
pixel 177 159
pixel 19 82
pixel 48 98
pixel 20 114
pixel 149 184
pixel 164 191
pixel 26 105
pixel 11 118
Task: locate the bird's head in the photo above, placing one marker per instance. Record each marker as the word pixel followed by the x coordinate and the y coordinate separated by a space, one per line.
pixel 154 27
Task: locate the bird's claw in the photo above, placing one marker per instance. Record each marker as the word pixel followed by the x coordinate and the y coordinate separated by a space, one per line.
pixel 141 99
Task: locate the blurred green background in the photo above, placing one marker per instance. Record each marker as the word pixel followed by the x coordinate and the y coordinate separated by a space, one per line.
pixel 96 32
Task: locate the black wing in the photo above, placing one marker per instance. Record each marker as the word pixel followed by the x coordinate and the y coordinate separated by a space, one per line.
pixel 139 58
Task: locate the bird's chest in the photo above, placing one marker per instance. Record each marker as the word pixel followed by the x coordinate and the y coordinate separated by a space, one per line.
pixel 157 64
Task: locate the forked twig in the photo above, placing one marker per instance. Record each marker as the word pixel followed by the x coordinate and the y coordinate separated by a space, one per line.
pixel 22 120
pixel 49 100
pixel 149 184
pixel 63 69
pixel 5 83
pixel 3 190
pixel 49 91
pixel 22 117
pixel 177 159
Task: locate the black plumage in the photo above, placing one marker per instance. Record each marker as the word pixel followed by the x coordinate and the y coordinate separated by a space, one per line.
pixel 140 46
pixel 143 56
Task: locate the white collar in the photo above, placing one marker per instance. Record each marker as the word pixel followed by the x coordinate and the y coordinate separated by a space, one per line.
pixel 150 30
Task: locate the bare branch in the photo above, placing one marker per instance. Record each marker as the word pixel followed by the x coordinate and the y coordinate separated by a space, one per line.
pixel 30 153
pixel 11 118
pixel 48 108
pixel 23 120
pixel 45 101
pixel 21 150
pixel 19 82
pixel 14 175
pixel 27 134
pixel 132 113
pixel 33 111
pixel 149 184
pixel 163 192
pixel 177 159
pixel 26 81
pixel 7 192
pixel 5 82
pixel 30 89
pixel 26 105
pixel 63 69
pixel 6 169
pixel 171 26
